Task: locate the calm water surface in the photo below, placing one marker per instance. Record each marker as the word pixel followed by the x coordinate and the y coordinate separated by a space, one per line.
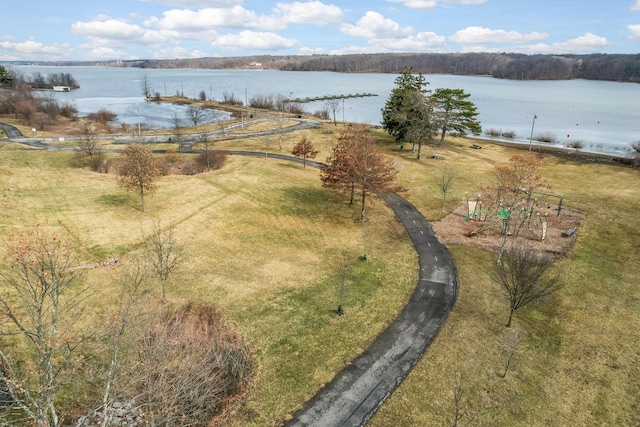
pixel 604 116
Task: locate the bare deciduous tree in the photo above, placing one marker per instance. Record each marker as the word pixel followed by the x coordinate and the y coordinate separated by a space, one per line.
pixel 87 148
pixel 511 343
pixel 196 114
pixel 176 127
pixel 445 180
pixel 139 171
pixel 333 105
pixel 145 86
pixel 512 196
pixel 461 414
pixel 164 253
pixel 525 276
pixel 206 143
pixel 355 163
pixel 42 302
pixel 120 344
pixel 304 149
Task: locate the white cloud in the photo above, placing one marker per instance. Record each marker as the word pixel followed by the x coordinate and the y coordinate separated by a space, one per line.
pixel 251 40
pixel 421 42
pixel 586 43
pixel 311 51
pixel 311 12
pixel 114 32
pixel 417 4
pixel 34 49
pixel 430 4
pixel 205 19
pixel 197 3
pixel 374 25
pixel 109 28
pixel 480 35
pixel 107 53
pixel 354 49
pixel 635 32
pixel 636 7
pixel 178 52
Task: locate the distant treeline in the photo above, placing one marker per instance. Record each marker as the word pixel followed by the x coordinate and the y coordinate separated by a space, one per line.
pixel 613 67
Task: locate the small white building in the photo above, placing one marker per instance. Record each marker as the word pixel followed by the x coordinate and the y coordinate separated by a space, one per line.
pixel 61 89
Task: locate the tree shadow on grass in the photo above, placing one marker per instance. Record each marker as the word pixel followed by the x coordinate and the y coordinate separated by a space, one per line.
pixel 114 200
pixel 307 202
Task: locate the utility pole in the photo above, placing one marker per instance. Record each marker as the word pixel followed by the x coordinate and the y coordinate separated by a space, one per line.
pixel 532 125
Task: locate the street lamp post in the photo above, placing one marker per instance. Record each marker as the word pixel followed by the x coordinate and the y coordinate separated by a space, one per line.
pixel 532 125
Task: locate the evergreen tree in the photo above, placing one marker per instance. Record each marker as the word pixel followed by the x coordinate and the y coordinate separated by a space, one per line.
pixel 455 112
pixel 397 111
pixel 6 76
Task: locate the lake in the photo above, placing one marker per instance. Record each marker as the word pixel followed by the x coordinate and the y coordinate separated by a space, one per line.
pixel 603 116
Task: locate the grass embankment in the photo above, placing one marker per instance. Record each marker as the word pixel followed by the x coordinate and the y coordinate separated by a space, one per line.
pixel 262 238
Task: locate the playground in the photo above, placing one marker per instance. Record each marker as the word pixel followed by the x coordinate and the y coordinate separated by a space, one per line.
pixel 462 227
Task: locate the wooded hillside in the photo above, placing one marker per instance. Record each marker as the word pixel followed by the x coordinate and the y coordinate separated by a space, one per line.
pixel 614 67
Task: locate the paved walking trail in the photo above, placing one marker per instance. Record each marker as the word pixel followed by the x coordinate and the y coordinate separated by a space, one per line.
pixel 356 392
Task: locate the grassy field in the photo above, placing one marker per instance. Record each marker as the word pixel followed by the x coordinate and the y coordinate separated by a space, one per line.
pixel 578 362
pixel 263 241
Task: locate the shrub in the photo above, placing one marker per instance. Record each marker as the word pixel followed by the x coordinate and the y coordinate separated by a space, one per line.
pixel 296 108
pixel 547 137
pixel 103 116
pixel 322 114
pixel 230 99
pixel 194 365
pixel 262 101
pixel 217 159
pixel 493 132
pixel 68 110
pixel 510 134
pixel 575 144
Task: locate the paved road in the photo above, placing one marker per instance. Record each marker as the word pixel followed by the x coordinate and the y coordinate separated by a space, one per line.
pixel 356 392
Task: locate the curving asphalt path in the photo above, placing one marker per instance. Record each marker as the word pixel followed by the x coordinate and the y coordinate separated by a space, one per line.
pixel 356 392
pixel 352 397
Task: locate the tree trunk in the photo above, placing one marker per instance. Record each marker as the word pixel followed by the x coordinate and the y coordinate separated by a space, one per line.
pixel 144 208
pixel 509 321
pixel 362 210
pixel 353 193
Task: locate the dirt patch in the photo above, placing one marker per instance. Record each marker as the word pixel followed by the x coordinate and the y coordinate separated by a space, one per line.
pixel 456 229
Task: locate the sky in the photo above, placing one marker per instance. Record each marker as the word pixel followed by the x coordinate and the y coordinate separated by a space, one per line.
pixel 90 30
